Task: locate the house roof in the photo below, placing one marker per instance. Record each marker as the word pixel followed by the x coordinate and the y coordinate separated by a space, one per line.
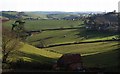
pixel 67 59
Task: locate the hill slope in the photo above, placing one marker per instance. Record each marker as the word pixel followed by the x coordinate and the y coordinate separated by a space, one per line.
pixel 31 54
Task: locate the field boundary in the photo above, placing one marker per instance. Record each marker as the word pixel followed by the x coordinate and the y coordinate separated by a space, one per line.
pixel 39 31
pixel 79 43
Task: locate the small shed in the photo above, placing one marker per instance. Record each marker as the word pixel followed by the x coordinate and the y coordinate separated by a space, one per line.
pixel 70 62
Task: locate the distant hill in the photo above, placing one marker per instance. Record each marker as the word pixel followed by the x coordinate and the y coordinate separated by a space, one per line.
pixel 62 12
pixel 42 14
pixel 15 15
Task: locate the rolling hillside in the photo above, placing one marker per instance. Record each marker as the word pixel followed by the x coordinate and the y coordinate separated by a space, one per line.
pixel 24 15
pixel 95 56
pixel 33 54
pixel 45 33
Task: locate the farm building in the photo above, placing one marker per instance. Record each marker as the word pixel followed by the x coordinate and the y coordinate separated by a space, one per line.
pixel 70 62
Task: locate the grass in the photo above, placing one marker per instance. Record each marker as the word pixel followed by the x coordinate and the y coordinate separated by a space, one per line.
pixel 33 50
pixel 94 55
pixel 50 24
pixel 102 55
pixel 57 37
pixel 60 15
pixel 34 15
pixel 106 60
pixel 27 15
pixel 85 49
pixel 53 37
pixel 47 24
pixel 33 54
pixel 11 13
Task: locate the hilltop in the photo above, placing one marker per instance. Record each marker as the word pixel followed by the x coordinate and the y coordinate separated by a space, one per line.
pixel 42 14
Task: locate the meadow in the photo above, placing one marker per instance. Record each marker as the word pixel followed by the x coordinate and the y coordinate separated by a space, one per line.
pixel 47 24
pixel 52 37
pixel 67 36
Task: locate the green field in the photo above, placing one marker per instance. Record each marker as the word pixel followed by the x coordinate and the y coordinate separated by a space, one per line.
pixel 85 49
pixel 100 54
pixel 32 54
pixel 26 15
pixel 41 16
pixel 47 24
pixel 57 36
pixel 71 36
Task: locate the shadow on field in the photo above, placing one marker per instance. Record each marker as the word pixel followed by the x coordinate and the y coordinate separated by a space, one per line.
pixel 46 38
pixel 94 34
pixel 37 63
pixel 109 61
pixel 37 58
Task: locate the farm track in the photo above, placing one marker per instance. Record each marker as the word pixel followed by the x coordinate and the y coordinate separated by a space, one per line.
pixel 80 43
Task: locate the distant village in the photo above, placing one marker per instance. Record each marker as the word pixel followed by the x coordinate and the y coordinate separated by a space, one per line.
pixel 106 21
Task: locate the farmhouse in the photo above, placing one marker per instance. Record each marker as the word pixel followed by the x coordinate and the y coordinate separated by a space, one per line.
pixel 70 62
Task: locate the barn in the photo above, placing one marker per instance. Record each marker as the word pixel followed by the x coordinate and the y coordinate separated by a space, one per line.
pixel 70 62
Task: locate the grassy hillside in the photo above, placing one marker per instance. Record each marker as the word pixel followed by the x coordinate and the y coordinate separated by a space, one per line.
pixel 59 15
pixel 108 60
pixel 12 15
pixel 102 55
pixel 47 24
pixel 33 54
pixel 50 24
pixel 85 49
pixel 74 35
pixel 96 55
pixel 34 15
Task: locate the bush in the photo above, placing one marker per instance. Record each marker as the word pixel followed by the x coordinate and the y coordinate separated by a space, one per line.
pixel 6 66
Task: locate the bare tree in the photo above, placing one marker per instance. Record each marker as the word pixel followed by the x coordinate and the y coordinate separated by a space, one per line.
pixel 10 43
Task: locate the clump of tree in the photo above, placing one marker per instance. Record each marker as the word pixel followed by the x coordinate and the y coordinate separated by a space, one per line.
pixel 19 29
pixel 103 22
pixel 10 43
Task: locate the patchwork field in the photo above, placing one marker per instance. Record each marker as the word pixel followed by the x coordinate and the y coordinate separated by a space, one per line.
pixel 99 54
pixel 67 36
